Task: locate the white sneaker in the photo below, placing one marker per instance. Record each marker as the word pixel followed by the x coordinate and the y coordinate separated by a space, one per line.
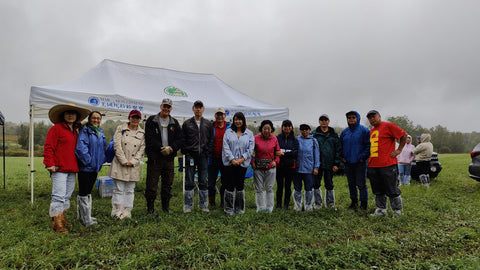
pixel 205 210
pixel 397 213
pixel 187 210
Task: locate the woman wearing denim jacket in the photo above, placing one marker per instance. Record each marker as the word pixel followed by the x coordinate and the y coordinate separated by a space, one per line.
pixel 238 143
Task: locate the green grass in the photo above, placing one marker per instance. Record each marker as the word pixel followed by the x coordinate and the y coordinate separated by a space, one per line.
pixel 440 229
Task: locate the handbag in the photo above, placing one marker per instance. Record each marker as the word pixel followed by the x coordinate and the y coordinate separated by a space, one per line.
pixel 262 163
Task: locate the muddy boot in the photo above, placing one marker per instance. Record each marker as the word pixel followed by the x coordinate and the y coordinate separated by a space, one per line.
pixel 58 225
pixel 65 222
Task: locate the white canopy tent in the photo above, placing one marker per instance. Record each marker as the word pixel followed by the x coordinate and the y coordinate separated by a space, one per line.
pixel 115 88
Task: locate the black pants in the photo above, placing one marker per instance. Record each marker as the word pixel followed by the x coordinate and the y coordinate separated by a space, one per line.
pixel 284 179
pixel 85 182
pixel 384 180
pixel 234 178
pixel 155 169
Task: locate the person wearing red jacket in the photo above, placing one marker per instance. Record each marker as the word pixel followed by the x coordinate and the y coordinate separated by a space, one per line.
pixel 60 160
pixel 267 151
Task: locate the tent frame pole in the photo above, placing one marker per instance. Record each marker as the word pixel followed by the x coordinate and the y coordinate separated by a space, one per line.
pixel 30 149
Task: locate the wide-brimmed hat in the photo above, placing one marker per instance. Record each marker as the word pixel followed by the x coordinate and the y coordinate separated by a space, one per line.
pixel 56 112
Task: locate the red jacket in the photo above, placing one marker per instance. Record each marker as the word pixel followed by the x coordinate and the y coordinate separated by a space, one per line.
pixel 59 149
pixel 266 148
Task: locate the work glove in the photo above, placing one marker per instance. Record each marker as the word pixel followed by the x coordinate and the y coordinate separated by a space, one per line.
pixel 166 150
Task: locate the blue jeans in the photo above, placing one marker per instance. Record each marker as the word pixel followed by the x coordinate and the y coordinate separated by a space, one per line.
pixel 307 180
pixel 404 173
pixel 215 166
pixel 199 163
pixel 63 185
pixel 327 179
pixel 357 178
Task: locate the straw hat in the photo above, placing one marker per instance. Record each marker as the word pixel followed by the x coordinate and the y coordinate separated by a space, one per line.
pixel 56 112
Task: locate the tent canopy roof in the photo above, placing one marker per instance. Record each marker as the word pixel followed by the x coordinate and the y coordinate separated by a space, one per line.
pixel 115 88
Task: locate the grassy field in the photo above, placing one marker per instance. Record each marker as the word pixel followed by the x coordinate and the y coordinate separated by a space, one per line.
pixel 440 229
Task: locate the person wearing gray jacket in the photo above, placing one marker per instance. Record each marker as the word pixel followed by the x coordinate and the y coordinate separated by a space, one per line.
pixel 423 154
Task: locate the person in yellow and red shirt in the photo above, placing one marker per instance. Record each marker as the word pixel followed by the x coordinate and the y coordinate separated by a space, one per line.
pixel 382 164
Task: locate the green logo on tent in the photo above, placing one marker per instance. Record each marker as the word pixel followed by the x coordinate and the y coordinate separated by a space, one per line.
pixel 173 91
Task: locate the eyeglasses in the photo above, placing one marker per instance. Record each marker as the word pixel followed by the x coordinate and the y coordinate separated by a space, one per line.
pixel 352 117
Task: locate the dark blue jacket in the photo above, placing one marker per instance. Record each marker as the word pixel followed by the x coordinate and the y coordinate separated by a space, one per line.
pixel 290 145
pixel 90 150
pixel 355 142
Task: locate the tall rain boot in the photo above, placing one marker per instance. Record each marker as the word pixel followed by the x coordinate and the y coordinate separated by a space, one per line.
pixel 330 198
pixel 308 200
pixel 317 195
pixel 240 202
pixel 297 197
pixel 397 205
pixel 425 179
pixel 260 201
pixel 166 205
pixel 203 200
pixel 270 201
pixel 151 207
pixel 228 199
pixel 187 201
pixel 84 211
pixel 91 207
pixel 381 204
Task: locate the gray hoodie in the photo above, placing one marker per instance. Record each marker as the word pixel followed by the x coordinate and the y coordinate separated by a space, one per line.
pixel 424 150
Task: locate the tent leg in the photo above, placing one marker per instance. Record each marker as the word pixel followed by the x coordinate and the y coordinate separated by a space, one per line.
pixel 31 146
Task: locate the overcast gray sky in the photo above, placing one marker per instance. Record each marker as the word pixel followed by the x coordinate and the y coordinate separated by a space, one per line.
pixel 407 57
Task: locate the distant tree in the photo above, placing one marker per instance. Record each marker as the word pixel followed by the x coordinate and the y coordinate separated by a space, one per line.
pixel 23 136
pixel 41 130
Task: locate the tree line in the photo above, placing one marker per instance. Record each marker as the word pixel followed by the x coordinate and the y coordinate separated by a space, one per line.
pixel 444 141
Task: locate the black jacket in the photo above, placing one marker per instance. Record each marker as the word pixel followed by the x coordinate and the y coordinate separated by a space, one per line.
pixel 290 145
pixel 153 137
pixel 197 142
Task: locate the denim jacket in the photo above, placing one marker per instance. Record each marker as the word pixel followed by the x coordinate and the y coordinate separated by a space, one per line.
pixel 237 147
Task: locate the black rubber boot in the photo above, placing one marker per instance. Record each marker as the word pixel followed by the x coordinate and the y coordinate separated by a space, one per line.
pixel 353 205
pixel 363 206
pixel 166 205
pixel 151 207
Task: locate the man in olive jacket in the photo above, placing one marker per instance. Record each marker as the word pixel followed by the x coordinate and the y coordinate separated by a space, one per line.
pixel 163 138
pixel 197 148
pixel 330 160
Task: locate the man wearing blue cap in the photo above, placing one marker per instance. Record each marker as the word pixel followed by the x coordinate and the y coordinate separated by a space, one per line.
pixel 382 164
